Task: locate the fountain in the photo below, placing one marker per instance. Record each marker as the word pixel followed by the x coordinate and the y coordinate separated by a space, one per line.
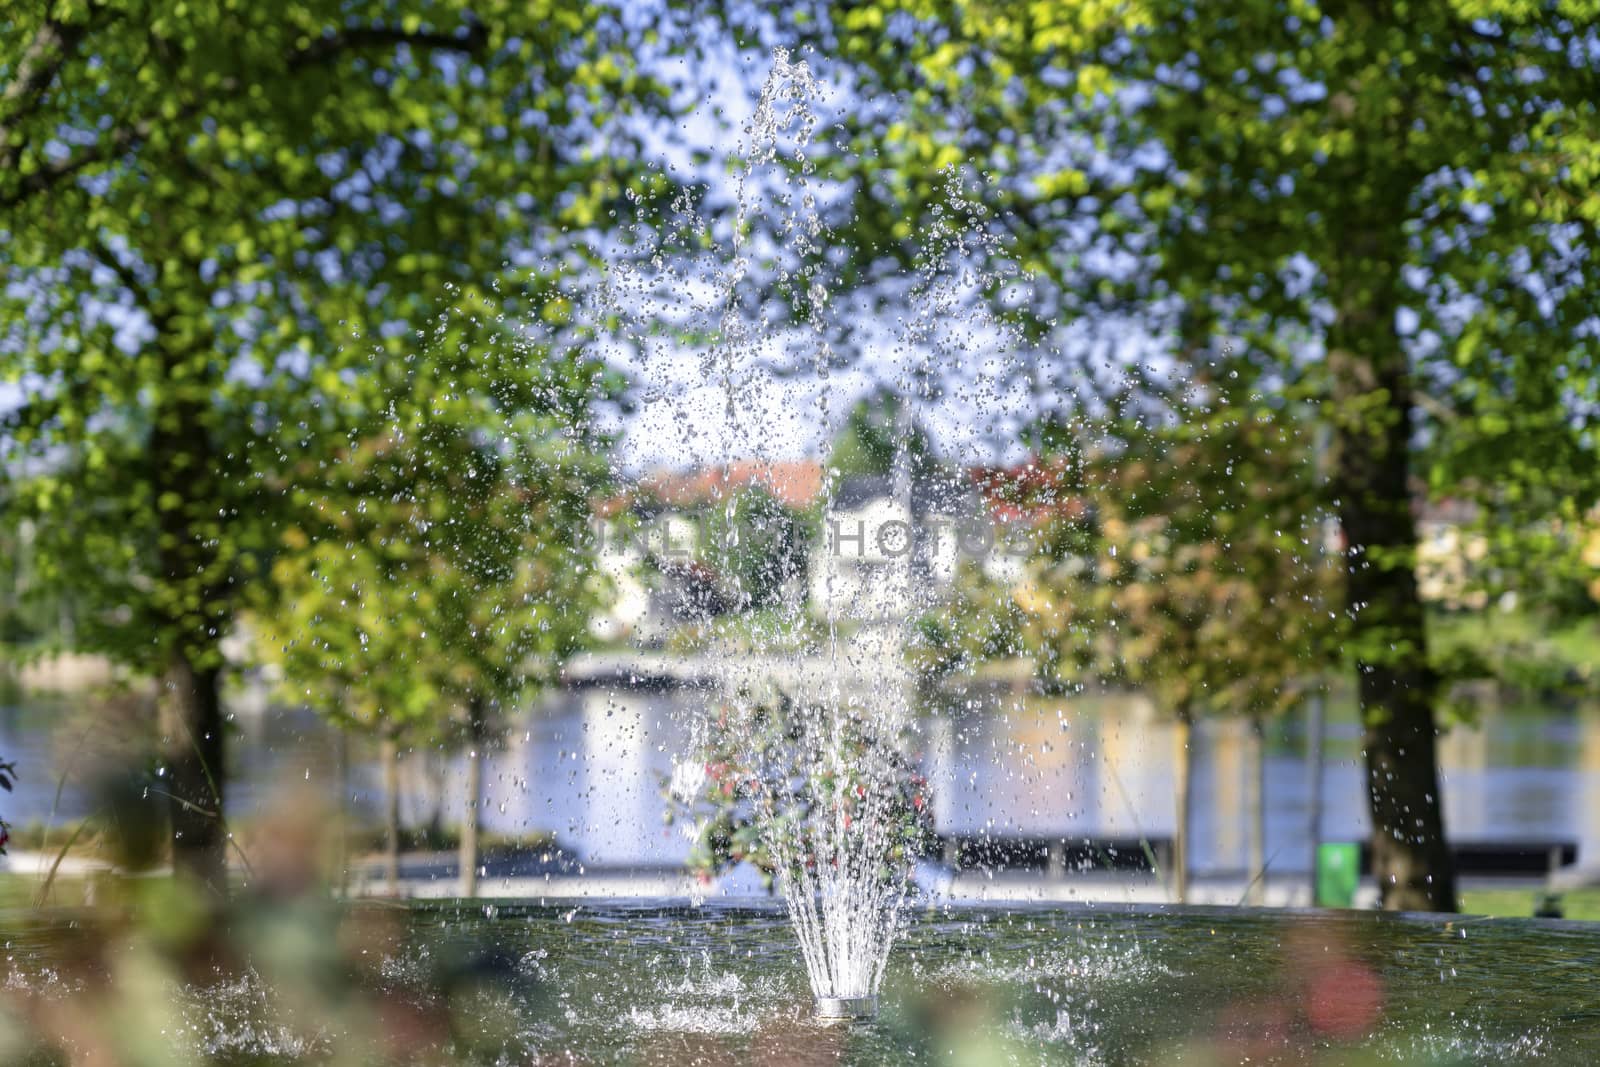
pixel 832 814
pixel 830 817
pixel 822 803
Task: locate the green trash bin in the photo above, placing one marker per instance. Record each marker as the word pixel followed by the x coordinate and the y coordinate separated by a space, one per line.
pixel 1338 874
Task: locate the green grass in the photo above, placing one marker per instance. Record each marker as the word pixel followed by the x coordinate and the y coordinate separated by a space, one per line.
pixel 1571 640
pixel 1519 903
pixel 1519 649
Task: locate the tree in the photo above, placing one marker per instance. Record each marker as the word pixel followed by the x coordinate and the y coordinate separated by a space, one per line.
pixel 342 633
pixel 1207 586
pixel 759 543
pixel 1188 569
pixel 870 436
pixel 981 622
pixel 222 228
pixel 442 571
pixel 1378 207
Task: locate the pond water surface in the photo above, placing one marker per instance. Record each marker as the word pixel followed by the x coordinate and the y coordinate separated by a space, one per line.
pixel 638 984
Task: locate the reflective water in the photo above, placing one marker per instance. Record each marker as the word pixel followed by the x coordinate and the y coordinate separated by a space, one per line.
pixel 589 765
pixel 649 985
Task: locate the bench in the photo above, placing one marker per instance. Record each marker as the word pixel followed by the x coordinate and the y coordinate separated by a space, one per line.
pixel 1501 859
pixel 1055 855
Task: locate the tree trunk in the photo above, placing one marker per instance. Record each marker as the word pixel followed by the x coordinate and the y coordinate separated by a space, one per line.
pixel 194 592
pixel 1371 479
pixel 474 789
pixel 390 755
pixel 342 810
pixel 1256 804
pixel 1183 793
pixel 192 756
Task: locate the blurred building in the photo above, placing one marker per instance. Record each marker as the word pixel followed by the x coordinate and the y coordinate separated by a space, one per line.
pixel 874 554
pixel 652 545
pixel 1450 554
pixel 883 554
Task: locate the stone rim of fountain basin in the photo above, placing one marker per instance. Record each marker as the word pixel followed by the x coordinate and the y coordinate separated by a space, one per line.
pixel 846 1009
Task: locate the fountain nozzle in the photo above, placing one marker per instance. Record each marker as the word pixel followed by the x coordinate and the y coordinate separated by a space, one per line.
pixel 846 1009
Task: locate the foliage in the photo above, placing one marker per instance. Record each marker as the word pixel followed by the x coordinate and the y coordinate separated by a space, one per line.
pixel 764 779
pixel 1536 579
pixel 1190 566
pixel 23 619
pixel 758 544
pixel 867 441
pixel 194 270
pixel 1394 217
pixel 1207 583
pixel 342 643
pixel 223 228
pixel 1523 651
pixel 765 631
pixel 980 623
pixel 8 775
pixel 442 560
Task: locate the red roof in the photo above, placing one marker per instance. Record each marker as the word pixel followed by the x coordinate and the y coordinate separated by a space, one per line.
pixel 795 484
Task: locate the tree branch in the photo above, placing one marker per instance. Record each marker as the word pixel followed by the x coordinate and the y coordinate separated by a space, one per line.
pixel 332 45
pixel 52 45
pixel 328 47
pixel 47 176
pixel 125 274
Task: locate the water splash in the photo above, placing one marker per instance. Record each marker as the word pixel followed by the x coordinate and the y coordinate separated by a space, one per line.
pixel 824 734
